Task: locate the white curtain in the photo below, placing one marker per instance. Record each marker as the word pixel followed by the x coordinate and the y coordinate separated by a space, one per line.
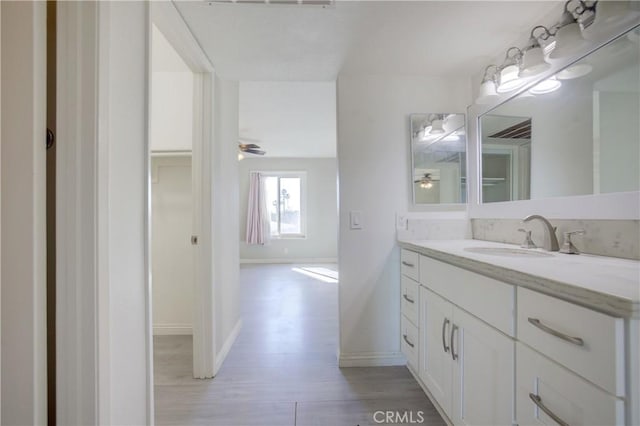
pixel 258 223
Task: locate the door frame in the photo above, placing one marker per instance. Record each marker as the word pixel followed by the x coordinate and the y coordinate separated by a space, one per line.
pixel 100 351
pixel 166 17
pixel 23 370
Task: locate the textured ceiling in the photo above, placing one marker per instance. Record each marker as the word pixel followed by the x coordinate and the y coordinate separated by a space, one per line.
pixel 308 43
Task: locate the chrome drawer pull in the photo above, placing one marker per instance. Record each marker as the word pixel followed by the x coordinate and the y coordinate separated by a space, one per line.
pixel 538 401
pixel 407 299
pixel 410 265
pixel 444 341
pixel 454 355
pixel 404 336
pixel 575 340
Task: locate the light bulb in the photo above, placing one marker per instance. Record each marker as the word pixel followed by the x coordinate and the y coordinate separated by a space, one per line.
pixel 533 62
pixel 240 156
pixel 509 79
pixel 546 86
pixel 436 127
pixel 487 92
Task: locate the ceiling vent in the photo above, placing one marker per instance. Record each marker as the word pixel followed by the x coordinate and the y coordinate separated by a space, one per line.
pixel 519 131
pixel 322 3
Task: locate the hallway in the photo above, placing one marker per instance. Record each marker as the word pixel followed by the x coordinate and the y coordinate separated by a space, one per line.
pixel 282 370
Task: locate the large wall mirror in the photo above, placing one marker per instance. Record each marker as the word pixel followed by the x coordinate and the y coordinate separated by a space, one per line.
pixel 575 133
pixel 438 152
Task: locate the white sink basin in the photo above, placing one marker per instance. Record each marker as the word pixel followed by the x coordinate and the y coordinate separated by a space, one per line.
pixel 507 252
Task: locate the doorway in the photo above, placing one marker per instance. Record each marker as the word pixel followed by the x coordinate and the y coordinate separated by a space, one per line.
pixel 172 207
pixel 180 102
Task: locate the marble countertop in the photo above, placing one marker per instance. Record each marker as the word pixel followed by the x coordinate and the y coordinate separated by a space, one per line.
pixel 606 284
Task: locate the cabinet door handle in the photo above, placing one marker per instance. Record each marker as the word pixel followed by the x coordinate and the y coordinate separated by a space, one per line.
pixel 444 341
pixel 408 299
pixel 454 355
pixel 538 401
pixel 575 340
pixel 410 265
pixel 404 336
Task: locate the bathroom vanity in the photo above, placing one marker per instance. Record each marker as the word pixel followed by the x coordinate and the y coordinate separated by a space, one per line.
pixel 502 335
pixel 499 335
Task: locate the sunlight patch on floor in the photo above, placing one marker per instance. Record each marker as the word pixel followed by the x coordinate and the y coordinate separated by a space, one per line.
pixel 321 274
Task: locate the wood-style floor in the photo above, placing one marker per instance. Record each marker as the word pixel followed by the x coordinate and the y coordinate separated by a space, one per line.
pixel 282 370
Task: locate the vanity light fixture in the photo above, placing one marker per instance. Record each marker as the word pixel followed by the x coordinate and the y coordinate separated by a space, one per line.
pixel 549 85
pixel 488 85
pixel 568 35
pixel 533 61
pixel 437 126
pixel 509 76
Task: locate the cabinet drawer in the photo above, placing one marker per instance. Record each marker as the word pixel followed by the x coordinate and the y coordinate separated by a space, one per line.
pixel 585 341
pixel 490 300
pixel 410 264
pixel 409 342
pixel 563 394
pixel 409 299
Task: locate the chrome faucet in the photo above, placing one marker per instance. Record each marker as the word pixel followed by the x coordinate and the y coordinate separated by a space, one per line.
pixel 551 240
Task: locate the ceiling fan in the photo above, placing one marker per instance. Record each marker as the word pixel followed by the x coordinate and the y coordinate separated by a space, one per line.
pixel 426 181
pixel 250 148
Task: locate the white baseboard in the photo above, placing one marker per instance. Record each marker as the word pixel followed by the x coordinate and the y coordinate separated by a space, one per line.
pixel 292 261
pixel 172 329
pixel 372 359
pixel 222 355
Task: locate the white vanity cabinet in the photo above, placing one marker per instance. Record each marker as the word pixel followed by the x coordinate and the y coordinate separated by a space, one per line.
pixel 547 393
pixel 466 364
pixel 521 354
pixel 409 308
pixel 570 363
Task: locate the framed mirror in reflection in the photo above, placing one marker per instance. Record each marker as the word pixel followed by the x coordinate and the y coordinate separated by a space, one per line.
pixel 438 153
pixel 575 133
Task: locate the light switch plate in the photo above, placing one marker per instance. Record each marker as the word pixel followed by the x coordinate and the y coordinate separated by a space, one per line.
pixel 402 222
pixel 355 219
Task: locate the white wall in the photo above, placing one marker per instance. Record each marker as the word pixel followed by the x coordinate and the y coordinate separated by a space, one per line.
pixel 171 97
pixel 373 169
pixel 619 149
pixel 321 242
pixel 171 249
pixel 129 392
pixel 225 217
pixel 23 369
pixel 171 111
pixel 290 118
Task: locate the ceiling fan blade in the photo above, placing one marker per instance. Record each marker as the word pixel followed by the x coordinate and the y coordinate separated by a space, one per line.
pixel 255 151
pixel 249 145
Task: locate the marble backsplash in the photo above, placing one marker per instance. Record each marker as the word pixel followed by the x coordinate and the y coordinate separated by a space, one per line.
pixel 614 238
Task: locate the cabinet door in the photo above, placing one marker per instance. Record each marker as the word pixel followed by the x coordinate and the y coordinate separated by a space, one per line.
pixel 548 394
pixel 483 373
pixel 409 342
pixel 435 359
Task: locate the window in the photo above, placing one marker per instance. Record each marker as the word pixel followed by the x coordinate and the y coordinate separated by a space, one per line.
pixel 285 200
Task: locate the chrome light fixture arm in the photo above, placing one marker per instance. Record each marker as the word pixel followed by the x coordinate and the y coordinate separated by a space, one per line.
pixel 490 76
